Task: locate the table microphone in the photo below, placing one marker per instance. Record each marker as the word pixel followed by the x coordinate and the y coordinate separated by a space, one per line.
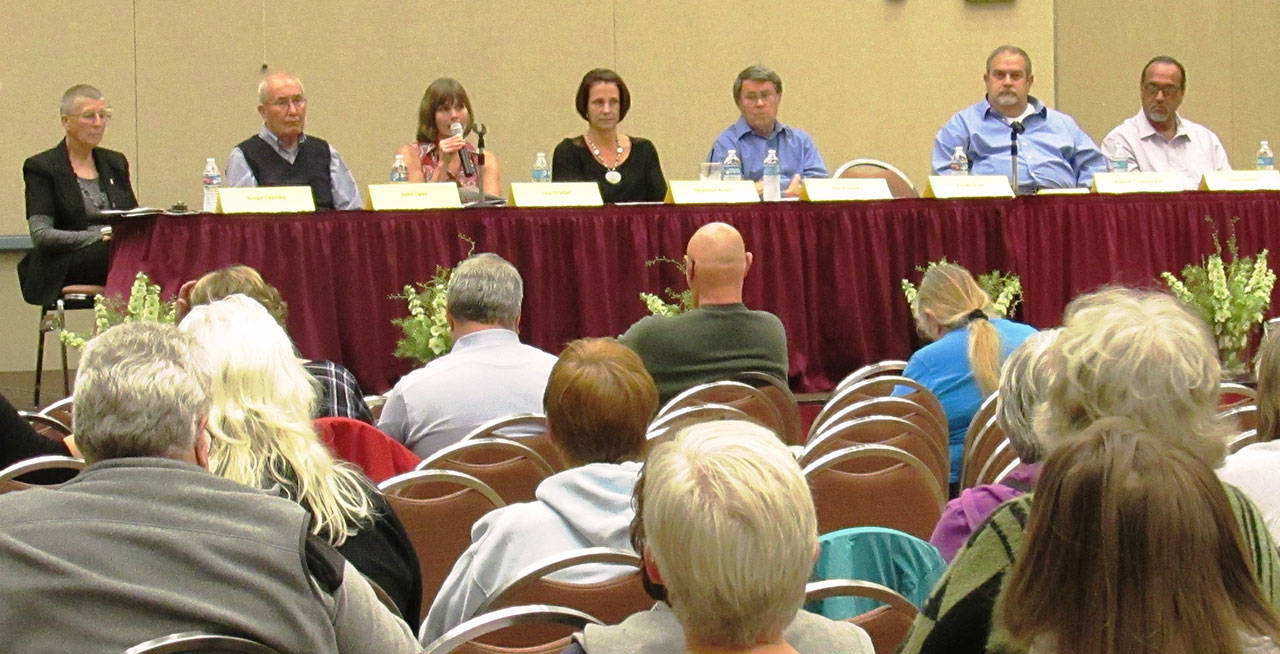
pixel 1016 128
pixel 468 166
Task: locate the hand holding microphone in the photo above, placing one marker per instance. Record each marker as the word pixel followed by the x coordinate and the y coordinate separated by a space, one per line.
pixel 468 166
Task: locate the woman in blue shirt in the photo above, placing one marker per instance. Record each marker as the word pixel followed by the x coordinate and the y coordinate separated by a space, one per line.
pixel 962 364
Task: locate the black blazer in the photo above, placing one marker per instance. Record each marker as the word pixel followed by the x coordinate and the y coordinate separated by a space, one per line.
pixel 52 190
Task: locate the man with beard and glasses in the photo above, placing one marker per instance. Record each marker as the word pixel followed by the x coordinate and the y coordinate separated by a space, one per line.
pixel 1053 152
pixel 1158 139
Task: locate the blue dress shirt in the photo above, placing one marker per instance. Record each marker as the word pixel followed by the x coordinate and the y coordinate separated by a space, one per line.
pixel 1053 152
pixel 796 152
pixel 346 195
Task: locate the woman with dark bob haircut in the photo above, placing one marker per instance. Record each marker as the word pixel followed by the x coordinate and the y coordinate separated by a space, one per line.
pixel 625 167
pixel 435 155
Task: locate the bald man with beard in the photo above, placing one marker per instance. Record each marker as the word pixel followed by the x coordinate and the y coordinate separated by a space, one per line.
pixel 721 337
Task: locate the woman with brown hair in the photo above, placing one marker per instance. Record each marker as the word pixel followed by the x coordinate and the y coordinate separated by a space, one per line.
pixel 1133 548
pixel 438 154
pixel 962 364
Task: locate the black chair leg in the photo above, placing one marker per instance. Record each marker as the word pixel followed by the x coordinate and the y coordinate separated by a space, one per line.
pixel 40 357
pixel 62 324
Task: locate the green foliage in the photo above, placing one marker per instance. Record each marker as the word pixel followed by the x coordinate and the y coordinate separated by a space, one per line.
pixel 676 303
pixel 1231 295
pixel 1005 289
pixel 144 305
pixel 426 328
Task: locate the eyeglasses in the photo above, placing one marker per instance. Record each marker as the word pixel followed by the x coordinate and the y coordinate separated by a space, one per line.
pixel 88 116
pixel 752 98
pixel 284 103
pixel 1167 90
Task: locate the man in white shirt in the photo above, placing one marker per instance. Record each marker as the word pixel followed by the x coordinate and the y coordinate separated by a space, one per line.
pixel 1158 139
pixel 488 374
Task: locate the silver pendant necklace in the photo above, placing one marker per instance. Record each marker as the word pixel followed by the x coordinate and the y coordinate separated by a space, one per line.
pixel 612 175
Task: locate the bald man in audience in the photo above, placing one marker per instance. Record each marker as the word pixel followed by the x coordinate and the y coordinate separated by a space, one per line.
pixel 146 542
pixel 720 338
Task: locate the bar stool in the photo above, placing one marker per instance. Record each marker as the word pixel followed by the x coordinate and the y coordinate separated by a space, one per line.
pixel 53 319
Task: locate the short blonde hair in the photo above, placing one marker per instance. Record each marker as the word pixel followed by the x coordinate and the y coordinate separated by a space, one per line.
pixel 1268 369
pixel 1023 380
pixel 1139 355
pixel 729 522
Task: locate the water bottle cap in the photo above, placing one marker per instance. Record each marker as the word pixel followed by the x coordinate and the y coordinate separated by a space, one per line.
pixel 209 160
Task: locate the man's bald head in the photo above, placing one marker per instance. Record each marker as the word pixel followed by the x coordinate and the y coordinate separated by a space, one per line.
pixel 717 261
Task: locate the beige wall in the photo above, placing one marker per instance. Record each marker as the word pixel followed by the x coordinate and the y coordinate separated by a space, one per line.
pixel 871 78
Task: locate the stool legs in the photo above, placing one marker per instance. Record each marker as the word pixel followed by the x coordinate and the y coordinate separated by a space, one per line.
pixel 62 324
pixel 44 312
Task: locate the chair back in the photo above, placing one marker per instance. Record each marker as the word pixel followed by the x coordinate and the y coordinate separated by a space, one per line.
pixel 462 638
pixel 885 430
pixel 60 411
pixel 900 185
pixel 1243 416
pixel 663 428
pixel 437 509
pixel 527 428
pixel 780 394
pixel 375 404
pixel 887 624
pixel 883 386
pixel 11 476
pixel 989 444
pixel 886 367
pixel 908 565
pixel 611 600
pixel 512 469
pixel 50 428
pixel 739 395
pixel 1233 394
pixel 1247 437
pixel 985 412
pixel 199 642
pixel 378 455
pixel 894 406
pixel 902 494
pixel 886 385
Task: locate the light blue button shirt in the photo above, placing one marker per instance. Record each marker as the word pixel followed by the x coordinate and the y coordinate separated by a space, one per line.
pixel 1053 152
pixel 346 195
pixel 796 152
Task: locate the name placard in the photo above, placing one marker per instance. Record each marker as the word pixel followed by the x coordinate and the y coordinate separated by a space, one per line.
pixel 1139 182
pixel 845 188
pixel 431 195
pixel 266 199
pixel 555 194
pixel 968 186
pixel 1072 190
pixel 711 191
pixel 1240 180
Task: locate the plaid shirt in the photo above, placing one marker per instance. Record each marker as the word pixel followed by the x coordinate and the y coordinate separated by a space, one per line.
pixel 340 394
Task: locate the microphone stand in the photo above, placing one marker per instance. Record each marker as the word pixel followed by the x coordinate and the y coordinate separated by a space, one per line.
pixel 1015 128
pixel 480 131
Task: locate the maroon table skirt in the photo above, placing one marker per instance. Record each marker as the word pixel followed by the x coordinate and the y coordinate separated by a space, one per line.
pixel 830 271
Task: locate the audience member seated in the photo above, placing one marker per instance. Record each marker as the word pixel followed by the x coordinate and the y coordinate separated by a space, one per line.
pixel 437 154
pixel 599 401
pixel 281 155
pixel 728 533
pixel 1255 469
pixel 962 364
pixel 340 394
pixel 68 187
pixel 1053 152
pixel 625 167
pixel 260 421
pixel 1134 548
pixel 146 542
pixel 757 91
pixel 721 337
pixel 1023 378
pixel 1158 139
pixel 1122 353
pixel 488 374
pixel 18 441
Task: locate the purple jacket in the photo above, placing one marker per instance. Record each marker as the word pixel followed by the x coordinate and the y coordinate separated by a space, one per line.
pixel 966 513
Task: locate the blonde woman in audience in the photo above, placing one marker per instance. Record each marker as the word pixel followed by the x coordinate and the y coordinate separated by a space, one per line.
pixel 1023 379
pixel 1138 355
pixel 340 393
pixel 962 364
pixel 1255 469
pixel 1133 548
pixel 262 436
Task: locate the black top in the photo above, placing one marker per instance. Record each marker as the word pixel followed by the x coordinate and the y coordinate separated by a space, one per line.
pixel 18 441
pixel 642 179
pixel 383 553
pixel 52 190
pixel 309 168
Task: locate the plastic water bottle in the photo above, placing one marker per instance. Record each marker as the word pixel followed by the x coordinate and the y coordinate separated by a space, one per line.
pixel 212 182
pixel 541 169
pixel 732 168
pixel 399 170
pixel 959 162
pixel 1266 160
pixel 772 180
pixel 1118 163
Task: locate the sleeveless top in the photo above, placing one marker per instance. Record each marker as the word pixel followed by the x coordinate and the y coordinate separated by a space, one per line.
pixel 429 161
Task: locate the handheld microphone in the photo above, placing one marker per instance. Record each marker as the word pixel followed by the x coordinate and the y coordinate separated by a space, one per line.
pixel 468 166
pixel 1017 128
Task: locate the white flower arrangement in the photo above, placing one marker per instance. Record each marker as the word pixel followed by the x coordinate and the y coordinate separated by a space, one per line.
pixel 1004 289
pixel 679 302
pixel 144 305
pixel 426 328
